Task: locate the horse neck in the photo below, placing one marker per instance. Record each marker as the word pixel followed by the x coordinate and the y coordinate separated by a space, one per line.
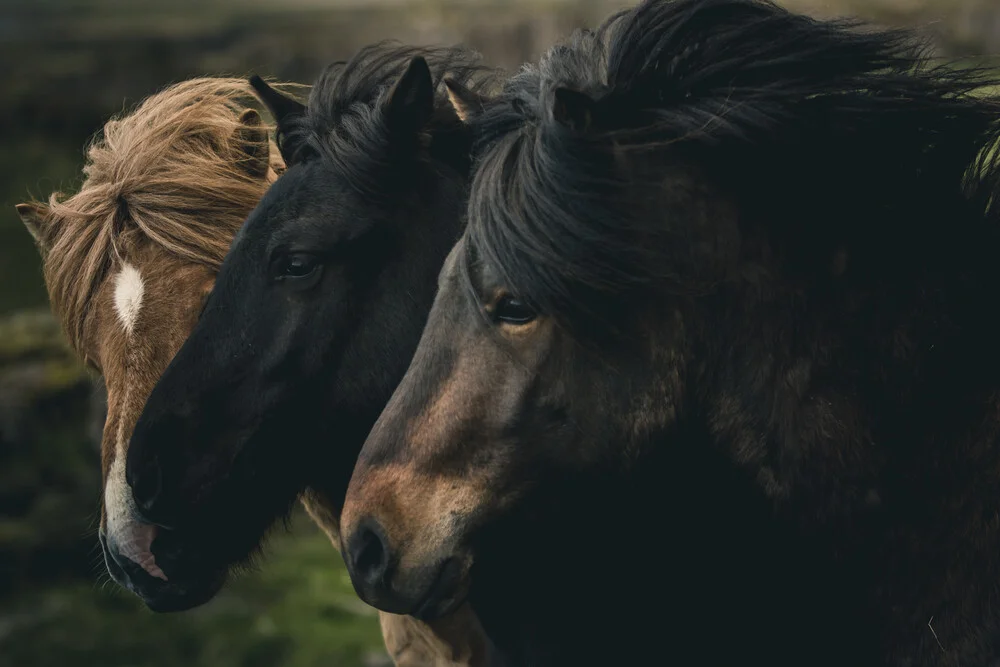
pixel 807 386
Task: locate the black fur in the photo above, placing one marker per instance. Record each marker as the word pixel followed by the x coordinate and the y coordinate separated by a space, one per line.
pixel 347 124
pixel 782 109
pixel 287 369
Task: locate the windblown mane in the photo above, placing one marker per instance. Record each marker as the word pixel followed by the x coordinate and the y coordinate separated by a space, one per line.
pixel 169 173
pixel 821 131
pixel 345 125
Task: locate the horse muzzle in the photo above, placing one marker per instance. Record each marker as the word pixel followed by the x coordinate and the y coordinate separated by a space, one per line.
pixel 435 587
pixel 147 563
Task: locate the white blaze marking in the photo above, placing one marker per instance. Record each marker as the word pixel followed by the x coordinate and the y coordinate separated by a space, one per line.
pixel 133 539
pixel 128 296
pixel 117 496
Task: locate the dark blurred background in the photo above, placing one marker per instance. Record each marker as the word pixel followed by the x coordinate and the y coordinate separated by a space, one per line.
pixel 67 65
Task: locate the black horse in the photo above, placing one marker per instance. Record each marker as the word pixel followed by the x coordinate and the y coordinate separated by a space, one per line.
pixel 717 351
pixel 316 310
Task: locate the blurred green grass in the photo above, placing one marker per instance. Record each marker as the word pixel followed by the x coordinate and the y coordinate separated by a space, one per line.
pixel 298 610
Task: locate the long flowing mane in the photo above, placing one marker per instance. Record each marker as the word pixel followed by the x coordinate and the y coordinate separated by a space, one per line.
pixel 821 131
pixel 345 123
pixel 168 172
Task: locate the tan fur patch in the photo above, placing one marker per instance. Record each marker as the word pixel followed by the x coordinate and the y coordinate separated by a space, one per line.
pixel 456 640
pixel 417 511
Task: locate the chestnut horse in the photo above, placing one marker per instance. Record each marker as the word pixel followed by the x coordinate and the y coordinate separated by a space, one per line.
pixel 128 262
pixel 717 352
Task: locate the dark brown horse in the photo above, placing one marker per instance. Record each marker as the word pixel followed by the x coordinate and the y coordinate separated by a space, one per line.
pixel 713 374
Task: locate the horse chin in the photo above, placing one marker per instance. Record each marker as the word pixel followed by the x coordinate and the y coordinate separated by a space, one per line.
pixel 431 613
pixel 174 585
pixel 184 596
pixel 447 593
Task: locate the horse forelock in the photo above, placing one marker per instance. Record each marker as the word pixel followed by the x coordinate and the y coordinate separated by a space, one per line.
pixel 790 109
pixel 168 174
pixel 344 124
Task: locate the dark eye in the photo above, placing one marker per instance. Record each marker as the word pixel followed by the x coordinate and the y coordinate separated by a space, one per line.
pixel 300 269
pixel 298 266
pixel 512 310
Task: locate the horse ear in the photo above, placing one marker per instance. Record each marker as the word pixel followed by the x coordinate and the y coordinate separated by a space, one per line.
pixel 283 108
pixel 573 109
pixel 252 140
pixel 411 101
pixel 468 104
pixel 33 214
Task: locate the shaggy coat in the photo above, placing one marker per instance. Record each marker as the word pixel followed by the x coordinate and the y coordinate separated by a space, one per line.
pixel 717 351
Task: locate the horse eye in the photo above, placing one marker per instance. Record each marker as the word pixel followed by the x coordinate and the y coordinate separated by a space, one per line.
pixel 296 266
pixel 512 310
pixel 301 268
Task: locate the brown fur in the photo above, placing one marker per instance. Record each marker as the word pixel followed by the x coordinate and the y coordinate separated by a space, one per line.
pixel 453 641
pixel 771 395
pixel 165 189
pixel 177 173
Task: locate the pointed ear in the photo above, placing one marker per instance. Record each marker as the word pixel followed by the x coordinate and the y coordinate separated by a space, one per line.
pixel 411 101
pixel 252 140
pixel 467 103
pixel 33 214
pixel 573 109
pixel 283 108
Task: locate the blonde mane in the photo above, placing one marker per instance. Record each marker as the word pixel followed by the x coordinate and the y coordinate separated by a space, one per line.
pixel 173 172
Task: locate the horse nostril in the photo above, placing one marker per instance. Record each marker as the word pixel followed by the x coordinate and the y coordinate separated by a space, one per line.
pixel 147 485
pixel 369 553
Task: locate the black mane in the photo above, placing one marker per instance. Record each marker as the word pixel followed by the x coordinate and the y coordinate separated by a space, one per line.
pixel 820 131
pixel 344 122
